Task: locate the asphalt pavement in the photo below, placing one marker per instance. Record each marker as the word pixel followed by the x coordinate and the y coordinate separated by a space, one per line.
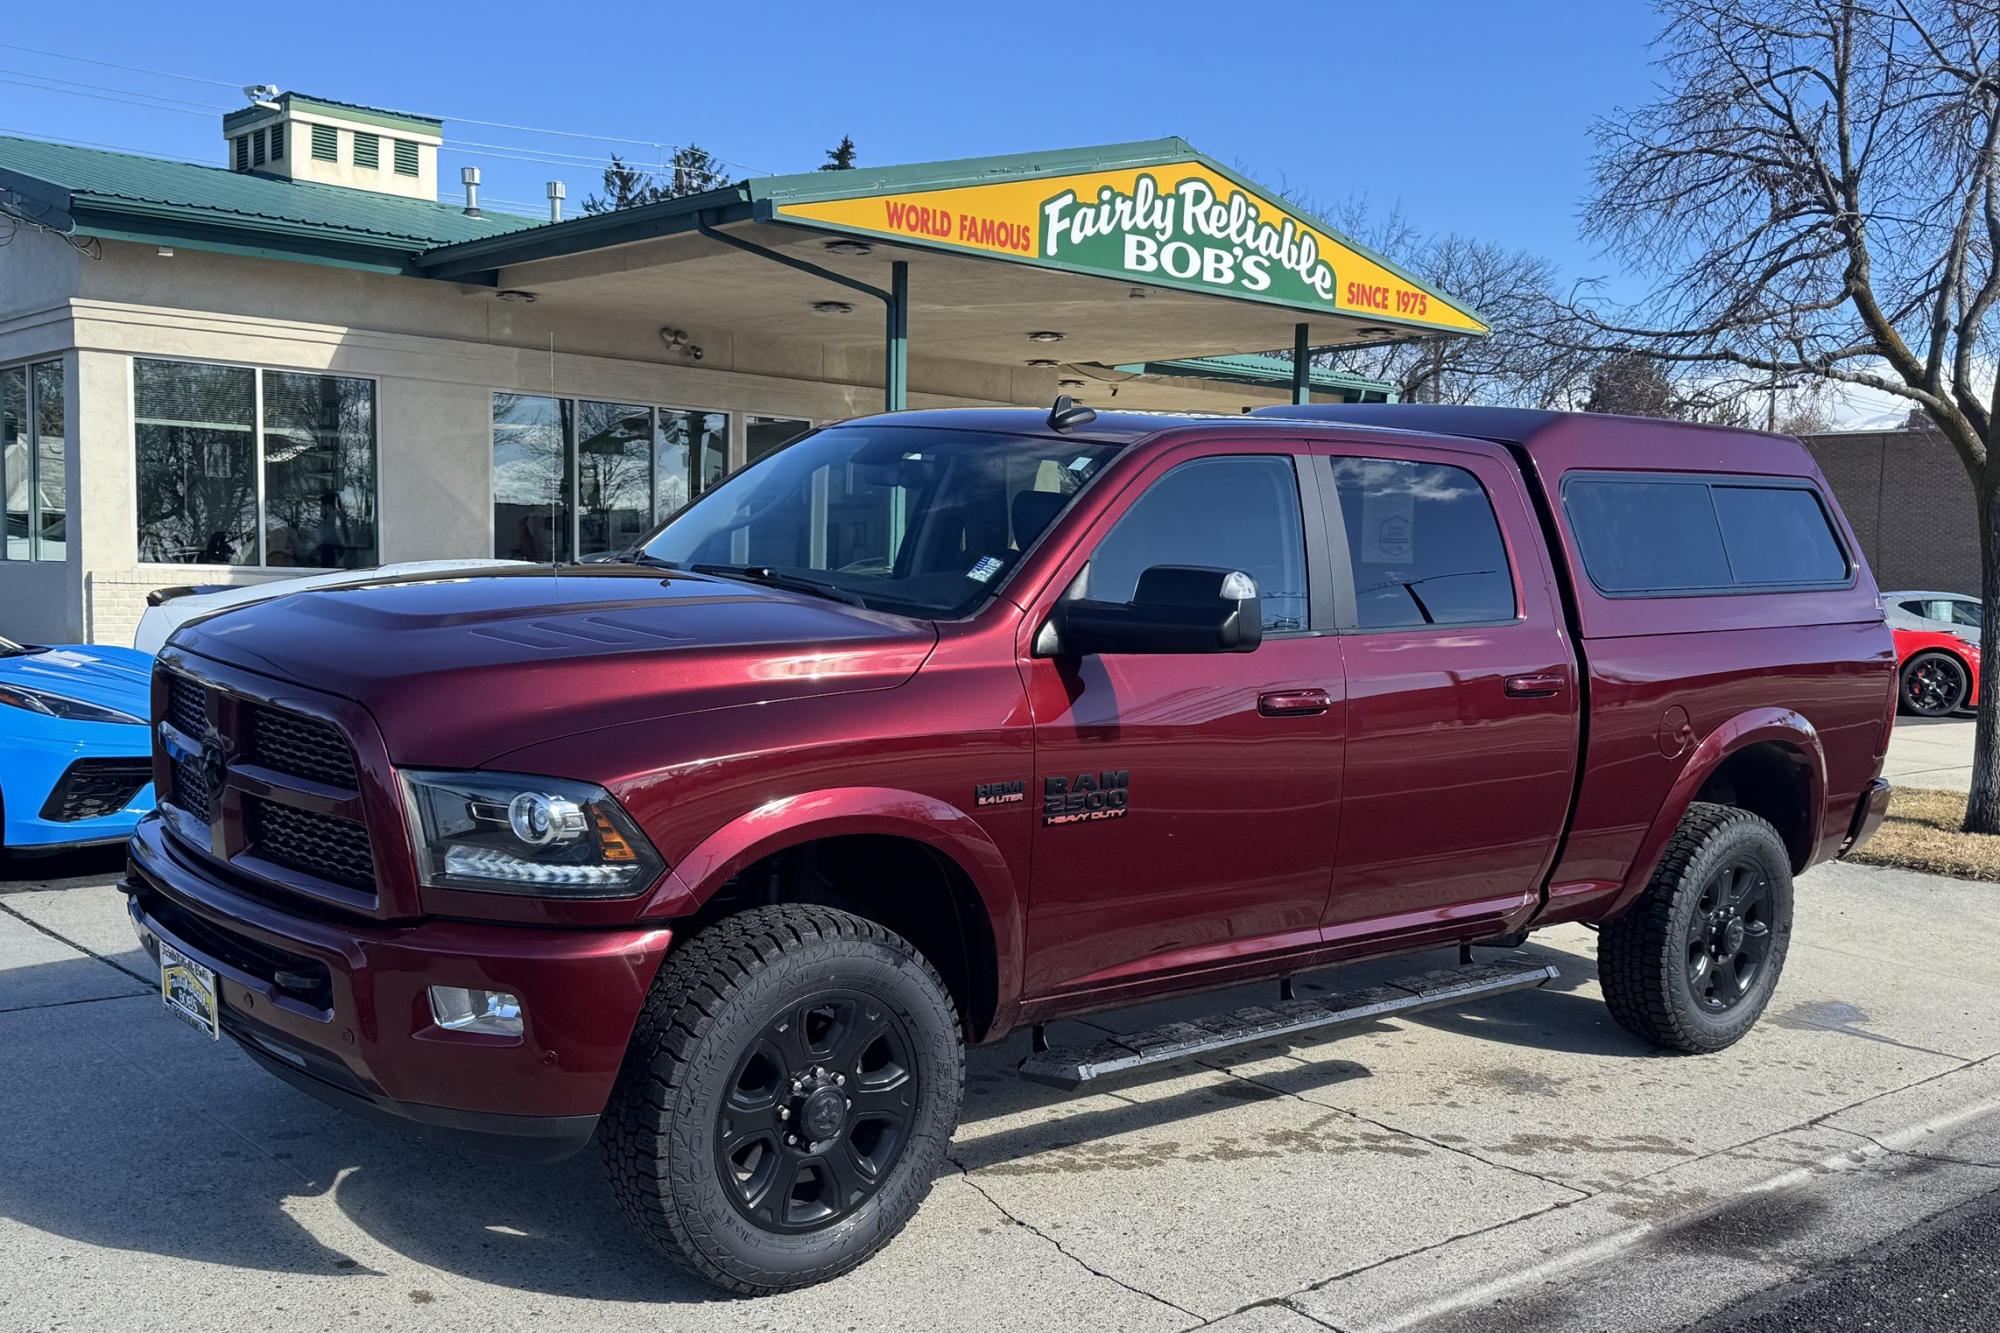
pixel 1523 1157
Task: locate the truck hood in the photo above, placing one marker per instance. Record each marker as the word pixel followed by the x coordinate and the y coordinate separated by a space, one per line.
pixel 456 670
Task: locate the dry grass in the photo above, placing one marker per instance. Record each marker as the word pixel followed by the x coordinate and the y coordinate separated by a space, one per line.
pixel 1922 832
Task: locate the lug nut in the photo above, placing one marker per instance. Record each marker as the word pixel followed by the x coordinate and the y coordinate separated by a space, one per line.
pixel 784 1113
pixel 792 1139
pixel 840 1079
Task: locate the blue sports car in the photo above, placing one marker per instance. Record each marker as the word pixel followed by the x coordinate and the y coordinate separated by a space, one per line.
pixel 75 756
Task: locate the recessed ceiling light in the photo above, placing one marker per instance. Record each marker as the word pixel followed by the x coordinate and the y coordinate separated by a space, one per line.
pixel 849 248
pixel 1042 363
pixel 1045 336
pixel 1070 384
pixel 832 308
pixel 1137 293
pixel 517 296
pixel 1376 331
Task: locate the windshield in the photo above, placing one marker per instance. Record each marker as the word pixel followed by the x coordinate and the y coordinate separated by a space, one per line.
pixel 8 648
pixel 917 521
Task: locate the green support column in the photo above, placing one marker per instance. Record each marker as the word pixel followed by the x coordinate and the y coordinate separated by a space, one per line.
pixel 1301 366
pixel 896 376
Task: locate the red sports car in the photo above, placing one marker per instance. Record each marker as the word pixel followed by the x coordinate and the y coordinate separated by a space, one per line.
pixel 1939 672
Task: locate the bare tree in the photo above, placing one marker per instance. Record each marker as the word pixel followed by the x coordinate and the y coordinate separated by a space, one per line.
pixel 1526 361
pixel 1819 187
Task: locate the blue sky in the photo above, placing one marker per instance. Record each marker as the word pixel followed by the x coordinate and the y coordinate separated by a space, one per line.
pixel 1472 115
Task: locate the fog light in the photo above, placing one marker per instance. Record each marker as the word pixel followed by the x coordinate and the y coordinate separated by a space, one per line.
pixel 462 1010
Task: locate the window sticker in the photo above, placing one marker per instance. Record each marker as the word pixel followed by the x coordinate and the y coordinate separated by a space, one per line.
pixel 986 568
pixel 1388 527
pixel 1079 463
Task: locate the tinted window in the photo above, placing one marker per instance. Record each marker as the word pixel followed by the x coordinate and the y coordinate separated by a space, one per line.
pixel 1968 613
pixel 1660 535
pixel 1646 536
pixel 1777 534
pixel 1222 513
pixel 1425 546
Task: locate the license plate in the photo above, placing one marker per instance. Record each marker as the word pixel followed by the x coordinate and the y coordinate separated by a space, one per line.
pixel 188 990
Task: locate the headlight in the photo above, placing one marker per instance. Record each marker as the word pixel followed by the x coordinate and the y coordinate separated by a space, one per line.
pixel 57 705
pixel 509 833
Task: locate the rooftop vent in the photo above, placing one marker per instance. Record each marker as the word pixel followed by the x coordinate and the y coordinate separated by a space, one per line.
pixel 297 137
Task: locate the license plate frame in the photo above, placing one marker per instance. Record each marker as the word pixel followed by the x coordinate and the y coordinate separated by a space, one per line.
pixel 189 991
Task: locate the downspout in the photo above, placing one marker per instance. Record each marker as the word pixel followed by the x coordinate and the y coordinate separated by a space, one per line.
pixel 896 303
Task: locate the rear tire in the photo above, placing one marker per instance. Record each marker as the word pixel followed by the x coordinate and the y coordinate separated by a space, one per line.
pixel 1933 684
pixel 1694 961
pixel 789 1093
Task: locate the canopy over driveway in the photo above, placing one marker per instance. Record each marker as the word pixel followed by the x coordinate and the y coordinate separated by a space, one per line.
pixel 1088 259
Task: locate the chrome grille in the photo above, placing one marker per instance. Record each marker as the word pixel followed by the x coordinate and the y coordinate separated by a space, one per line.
pixel 303 747
pixel 331 848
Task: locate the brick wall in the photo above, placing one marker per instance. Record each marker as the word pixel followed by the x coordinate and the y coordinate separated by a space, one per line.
pixel 1909 501
pixel 114 599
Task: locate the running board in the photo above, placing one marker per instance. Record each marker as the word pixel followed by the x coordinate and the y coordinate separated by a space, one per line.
pixel 1073 1066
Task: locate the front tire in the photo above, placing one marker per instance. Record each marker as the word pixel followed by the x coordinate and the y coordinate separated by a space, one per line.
pixel 787 1099
pixel 1934 684
pixel 1692 964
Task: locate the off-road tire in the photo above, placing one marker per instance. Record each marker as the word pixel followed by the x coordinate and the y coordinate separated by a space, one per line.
pixel 715 993
pixel 1643 956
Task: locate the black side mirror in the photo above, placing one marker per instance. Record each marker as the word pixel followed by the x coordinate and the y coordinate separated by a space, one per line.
pixel 1174 609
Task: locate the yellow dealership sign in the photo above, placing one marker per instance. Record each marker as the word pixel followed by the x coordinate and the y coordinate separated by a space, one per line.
pixel 1178 224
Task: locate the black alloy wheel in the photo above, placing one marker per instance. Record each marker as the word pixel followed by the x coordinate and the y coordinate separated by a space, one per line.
pixel 817 1112
pixel 1934 685
pixel 1729 935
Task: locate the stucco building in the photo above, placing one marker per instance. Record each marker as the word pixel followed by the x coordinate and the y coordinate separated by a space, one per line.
pixel 302 359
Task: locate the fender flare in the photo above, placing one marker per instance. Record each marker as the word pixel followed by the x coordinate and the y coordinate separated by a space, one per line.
pixel 1758 725
pixel 789 821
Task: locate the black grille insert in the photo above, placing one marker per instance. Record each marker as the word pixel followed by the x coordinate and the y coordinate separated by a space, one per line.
pixel 91 788
pixel 323 845
pixel 302 747
pixel 187 706
pixel 190 791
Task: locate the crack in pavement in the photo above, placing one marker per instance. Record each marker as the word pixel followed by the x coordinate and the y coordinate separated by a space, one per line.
pixel 1942 1159
pixel 1064 1250
pixel 32 924
pixel 64 1004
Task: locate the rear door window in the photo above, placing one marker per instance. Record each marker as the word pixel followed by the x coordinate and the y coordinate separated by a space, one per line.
pixel 1664 536
pixel 1423 543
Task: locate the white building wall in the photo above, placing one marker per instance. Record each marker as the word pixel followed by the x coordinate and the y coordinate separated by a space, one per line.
pixel 437 353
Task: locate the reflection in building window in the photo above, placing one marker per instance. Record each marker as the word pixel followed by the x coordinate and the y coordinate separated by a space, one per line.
pixel 319 471
pixel 34 508
pixel 576 478
pixel 200 451
pixel 763 434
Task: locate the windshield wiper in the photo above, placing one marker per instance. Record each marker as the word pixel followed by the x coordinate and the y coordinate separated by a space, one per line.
pixel 639 557
pixel 772 578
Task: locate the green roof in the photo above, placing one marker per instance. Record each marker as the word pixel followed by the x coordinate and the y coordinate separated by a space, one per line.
pixel 1259 368
pixel 373 115
pixel 124 196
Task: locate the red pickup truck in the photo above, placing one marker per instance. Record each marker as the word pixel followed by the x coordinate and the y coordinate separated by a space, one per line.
pixel 936 726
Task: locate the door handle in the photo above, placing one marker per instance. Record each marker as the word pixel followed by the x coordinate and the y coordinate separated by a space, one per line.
pixel 1293 703
pixel 1536 685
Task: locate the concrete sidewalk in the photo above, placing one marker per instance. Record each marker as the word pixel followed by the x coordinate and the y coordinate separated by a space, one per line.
pixel 152 1179
pixel 1933 752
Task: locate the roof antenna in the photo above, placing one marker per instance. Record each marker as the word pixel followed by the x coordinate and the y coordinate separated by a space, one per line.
pixel 1066 414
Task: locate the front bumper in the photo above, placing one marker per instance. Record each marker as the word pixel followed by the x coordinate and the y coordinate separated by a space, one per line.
pixel 342 1010
pixel 1868 813
pixel 36 754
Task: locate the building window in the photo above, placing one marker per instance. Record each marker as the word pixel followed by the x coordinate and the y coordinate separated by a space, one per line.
pixel 243 152
pixel 763 434
pixel 325 143
pixel 32 470
pixel 208 435
pixel 578 477
pixel 277 141
pixel 406 157
pixel 257 149
pixel 367 150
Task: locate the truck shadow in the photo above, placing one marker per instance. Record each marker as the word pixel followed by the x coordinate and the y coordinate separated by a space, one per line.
pixel 28 871
pixel 117 1117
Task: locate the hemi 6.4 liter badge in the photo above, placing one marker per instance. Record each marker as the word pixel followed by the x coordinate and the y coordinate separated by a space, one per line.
pixel 1000 793
pixel 1085 797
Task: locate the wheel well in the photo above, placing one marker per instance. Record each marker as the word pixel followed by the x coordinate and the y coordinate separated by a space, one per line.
pixel 1773 781
pixel 900 883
